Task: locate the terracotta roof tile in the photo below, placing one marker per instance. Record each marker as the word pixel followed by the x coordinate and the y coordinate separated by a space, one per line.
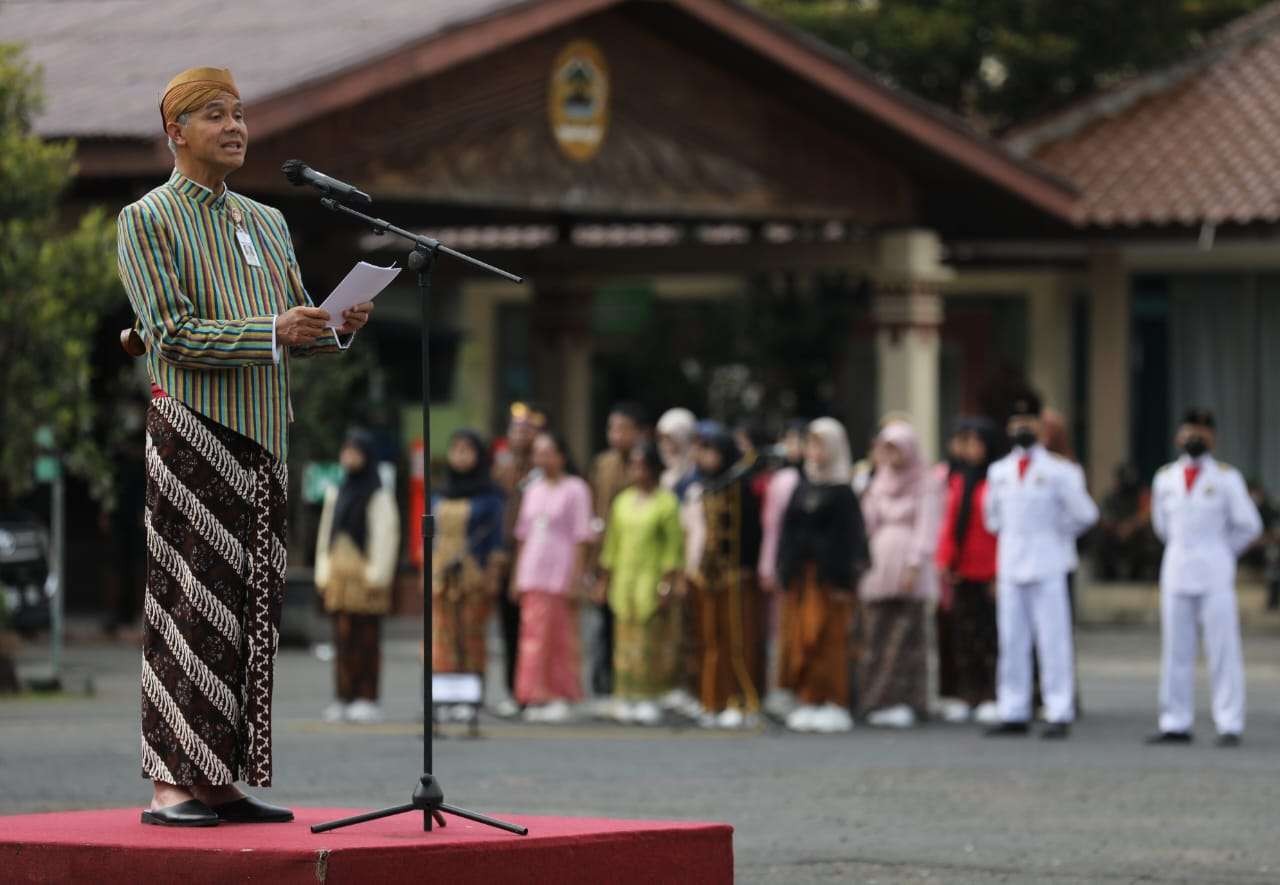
pixel 1199 142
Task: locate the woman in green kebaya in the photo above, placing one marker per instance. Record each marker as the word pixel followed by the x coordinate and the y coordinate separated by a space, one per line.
pixel 641 561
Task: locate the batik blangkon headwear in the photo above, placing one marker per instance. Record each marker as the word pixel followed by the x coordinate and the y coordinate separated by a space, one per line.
pixel 192 90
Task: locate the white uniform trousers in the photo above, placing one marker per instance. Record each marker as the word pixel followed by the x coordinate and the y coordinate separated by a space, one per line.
pixel 1182 617
pixel 1038 612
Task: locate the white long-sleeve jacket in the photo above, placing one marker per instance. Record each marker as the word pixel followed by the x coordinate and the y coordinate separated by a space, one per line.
pixel 1037 517
pixel 1205 529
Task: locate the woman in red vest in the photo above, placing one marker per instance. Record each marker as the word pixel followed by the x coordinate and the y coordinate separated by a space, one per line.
pixel 966 558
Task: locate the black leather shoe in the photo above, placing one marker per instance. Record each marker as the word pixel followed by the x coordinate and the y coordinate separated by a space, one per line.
pixel 248 810
pixel 1168 738
pixel 1056 731
pixel 192 813
pixel 1008 729
pixel 1228 740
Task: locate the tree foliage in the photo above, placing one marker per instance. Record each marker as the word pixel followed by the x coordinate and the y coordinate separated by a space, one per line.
pixel 999 62
pixel 55 283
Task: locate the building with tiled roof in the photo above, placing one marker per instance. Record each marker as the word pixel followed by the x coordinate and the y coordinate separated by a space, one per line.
pixel 1120 255
pixel 1178 172
pixel 705 153
pixel 1197 143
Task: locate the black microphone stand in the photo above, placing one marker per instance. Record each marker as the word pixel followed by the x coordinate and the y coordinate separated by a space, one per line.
pixel 428 796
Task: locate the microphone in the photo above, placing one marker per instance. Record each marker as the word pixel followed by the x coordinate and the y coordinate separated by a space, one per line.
pixel 299 173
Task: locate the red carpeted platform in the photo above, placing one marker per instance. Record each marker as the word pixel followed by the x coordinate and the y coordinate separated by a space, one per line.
pixel 105 847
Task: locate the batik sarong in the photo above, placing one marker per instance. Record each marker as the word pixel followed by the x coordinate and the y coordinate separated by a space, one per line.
pixel 646 654
pixel 977 646
pixel 550 656
pixel 893 668
pixel 357 659
pixel 814 635
pixel 215 523
pixel 730 632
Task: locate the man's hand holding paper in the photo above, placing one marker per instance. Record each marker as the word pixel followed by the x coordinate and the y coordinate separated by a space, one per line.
pixel 352 299
pixel 355 318
pixel 301 325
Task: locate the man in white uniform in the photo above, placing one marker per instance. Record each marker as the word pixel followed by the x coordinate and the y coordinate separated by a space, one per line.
pixel 1201 510
pixel 1036 505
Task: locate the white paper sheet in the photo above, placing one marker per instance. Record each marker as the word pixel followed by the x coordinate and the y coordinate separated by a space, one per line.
pixel 361 284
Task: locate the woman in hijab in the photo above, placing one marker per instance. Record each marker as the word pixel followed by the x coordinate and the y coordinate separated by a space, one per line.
pixel 356 556
pixel 966 558
pixel 468 533
pixel 782 482
pixel 722 550
pixel 674 434
pixel 900 509
pixel 822 551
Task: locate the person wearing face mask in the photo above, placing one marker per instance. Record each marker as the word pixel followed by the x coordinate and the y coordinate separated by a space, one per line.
pixel 1202 511
pixel 1036 505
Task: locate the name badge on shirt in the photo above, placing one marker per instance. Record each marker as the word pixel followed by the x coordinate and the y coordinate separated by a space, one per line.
pixel 242 237
pixel 246 246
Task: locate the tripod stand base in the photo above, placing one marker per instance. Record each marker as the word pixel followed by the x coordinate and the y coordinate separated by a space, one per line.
pixel 428 797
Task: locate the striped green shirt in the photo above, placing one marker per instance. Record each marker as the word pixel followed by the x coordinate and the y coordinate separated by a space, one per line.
pixel 206 313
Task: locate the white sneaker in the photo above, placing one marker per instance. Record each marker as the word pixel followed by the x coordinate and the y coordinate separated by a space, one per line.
pixel 462 713
pixel 677 699
pixel 779 703
pixel 645 713
pixel 364 712
pixel 680 701
pixel 953 710
pixel 604 707
pixel 731 718
pixel 556 711
pixel 707 719
pixel 692 708
pixel 898 716
pixel 506 708
pixel 830 719
pixel 534 713
pixel 986 713
pixel 335 712
pixel 801 718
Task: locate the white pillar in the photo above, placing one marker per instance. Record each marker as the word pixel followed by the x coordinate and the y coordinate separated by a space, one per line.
pixel 907 310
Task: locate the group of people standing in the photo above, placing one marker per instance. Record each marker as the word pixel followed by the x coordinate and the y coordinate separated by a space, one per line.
pixel 695 546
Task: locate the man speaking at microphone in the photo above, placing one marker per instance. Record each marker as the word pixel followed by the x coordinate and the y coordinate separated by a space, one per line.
pixel 214 281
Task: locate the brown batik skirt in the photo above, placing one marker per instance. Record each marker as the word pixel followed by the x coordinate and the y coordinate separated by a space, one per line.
pixel 893 669
pixel 460 606
pixel 215 522
pixel 814 637
pixel 730 634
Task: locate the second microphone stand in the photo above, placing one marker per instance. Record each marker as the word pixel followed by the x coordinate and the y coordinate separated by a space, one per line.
pixel 428 795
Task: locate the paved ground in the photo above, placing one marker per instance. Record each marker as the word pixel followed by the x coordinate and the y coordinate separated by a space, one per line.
pixel 938 804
